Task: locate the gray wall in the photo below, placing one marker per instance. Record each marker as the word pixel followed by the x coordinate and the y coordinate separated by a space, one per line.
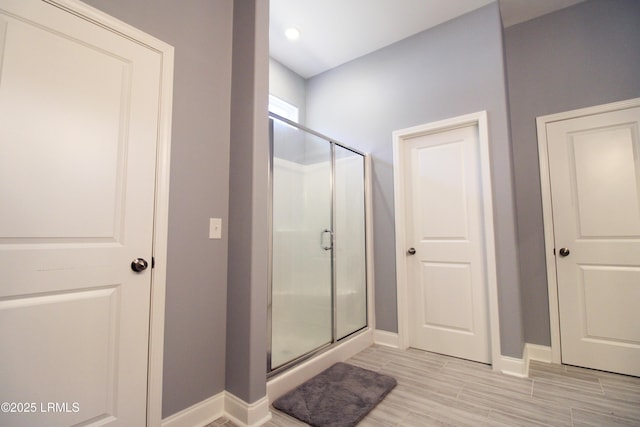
pixel 248 267
pixel 585 55
pixel 201 32
pixel 288 86
pixel 451 70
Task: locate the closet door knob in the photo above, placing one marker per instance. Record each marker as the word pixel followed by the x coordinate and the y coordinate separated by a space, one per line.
pixel 139 264
pixel 411 251
pixel 564 252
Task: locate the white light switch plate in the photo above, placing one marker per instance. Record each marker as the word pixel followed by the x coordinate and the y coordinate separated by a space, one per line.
pixel 215 228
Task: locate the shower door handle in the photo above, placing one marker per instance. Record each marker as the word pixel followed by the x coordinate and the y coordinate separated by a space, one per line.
pixel 323 239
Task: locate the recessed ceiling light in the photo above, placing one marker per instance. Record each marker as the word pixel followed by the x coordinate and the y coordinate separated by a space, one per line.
pixel 292 33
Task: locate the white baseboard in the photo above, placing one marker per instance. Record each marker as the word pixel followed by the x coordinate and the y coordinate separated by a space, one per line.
pixel 520 367
pixel 223 404
pixel 247 414
pixel 537 352
pixel 389 339
pixel 198 415
pixel 541 353
pixel 511 366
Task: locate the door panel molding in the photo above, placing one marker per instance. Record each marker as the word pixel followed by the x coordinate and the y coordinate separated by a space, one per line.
pixel 547 214
pixel 480 120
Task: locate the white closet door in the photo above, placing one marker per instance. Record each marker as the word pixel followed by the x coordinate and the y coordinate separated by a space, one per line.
pixel 594 164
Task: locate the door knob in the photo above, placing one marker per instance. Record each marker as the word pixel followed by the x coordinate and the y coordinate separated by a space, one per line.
pixel 411 251
pixel 564 252
pixel 139 264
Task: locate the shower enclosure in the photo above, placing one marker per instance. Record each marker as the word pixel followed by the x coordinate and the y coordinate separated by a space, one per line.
pixel 318 292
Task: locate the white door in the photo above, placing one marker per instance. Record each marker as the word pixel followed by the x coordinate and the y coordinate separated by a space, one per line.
pixel 447 280
pixel 594 167
pixel 78 130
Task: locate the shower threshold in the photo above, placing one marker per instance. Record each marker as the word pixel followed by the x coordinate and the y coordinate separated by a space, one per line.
pixel 296 372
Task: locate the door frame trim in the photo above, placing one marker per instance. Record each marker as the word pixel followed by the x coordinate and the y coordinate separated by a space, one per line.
pixel 480 120
pixel 161 207
pixel 547 213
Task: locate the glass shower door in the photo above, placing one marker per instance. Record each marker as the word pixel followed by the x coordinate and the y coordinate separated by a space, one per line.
pixel 301 288
pixel 350 245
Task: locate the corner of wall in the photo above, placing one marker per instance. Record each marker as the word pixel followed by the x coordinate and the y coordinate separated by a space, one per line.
pixel 223 404
pixel 387 339
pixel 199 414
pixel 246 414
pixel 520 367
pixel 247 267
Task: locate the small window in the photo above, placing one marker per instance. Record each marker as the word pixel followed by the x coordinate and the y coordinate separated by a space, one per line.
pixel 283 108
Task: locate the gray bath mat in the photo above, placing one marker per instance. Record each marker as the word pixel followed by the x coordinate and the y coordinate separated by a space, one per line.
pixel 338 397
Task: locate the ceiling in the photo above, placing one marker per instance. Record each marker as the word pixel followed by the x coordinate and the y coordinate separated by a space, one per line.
pixel 336 31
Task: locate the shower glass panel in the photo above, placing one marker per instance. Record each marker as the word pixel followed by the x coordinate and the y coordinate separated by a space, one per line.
pixel 350 258
pixel 301 288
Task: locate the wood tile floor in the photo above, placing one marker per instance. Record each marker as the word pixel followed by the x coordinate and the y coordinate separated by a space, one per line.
pixel 436 390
